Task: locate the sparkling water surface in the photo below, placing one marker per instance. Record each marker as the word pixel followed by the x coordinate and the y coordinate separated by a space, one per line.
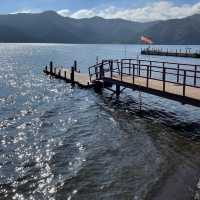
pixel 62 142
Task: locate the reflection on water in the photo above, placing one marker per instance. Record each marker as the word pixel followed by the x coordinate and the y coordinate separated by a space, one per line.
pixel 59 142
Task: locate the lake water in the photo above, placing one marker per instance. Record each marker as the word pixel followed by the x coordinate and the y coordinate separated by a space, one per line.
pixel 59 142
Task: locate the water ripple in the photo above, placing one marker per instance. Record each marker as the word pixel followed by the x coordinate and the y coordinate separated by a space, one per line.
pixel 62 142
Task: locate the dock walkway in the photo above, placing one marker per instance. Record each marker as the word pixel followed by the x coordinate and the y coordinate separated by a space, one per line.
pixel 175 81
pixel 83 80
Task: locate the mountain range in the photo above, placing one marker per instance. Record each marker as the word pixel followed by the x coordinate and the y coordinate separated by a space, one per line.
pixel 50 27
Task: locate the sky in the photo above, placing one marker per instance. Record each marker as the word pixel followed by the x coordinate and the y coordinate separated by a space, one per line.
pixel 135 10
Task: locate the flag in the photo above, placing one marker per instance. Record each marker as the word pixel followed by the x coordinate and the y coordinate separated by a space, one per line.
pixel 146 40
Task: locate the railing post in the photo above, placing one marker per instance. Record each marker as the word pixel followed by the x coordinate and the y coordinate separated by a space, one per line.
pixel 55 70
pixel 121 70
pixel 118 67
pixel 164 79
pixel 75 65
pixel 59 73
pixel 102 70
pixel 178 73
pixel 51 67
pixel 72 74
pixel 129 66
pixel 133 73
pixel 184 82
pixel 150 68
pixel 139 67
pixel 90 78
pixel 96 72
pixel 147 76
pixel 111 68
pixel 90 74
pixel 163 64
pixel 195 75
pixel 65 75
pixel 46 68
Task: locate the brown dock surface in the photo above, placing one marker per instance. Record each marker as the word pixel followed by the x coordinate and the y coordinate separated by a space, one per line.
pixel 81 79
pixel 177 89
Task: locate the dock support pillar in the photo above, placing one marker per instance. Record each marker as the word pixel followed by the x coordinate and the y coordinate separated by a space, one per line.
pixel 117 90
pixel 98 87
pixel 72 75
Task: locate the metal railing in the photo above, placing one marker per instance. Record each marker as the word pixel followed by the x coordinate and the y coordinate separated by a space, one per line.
pixel 167 72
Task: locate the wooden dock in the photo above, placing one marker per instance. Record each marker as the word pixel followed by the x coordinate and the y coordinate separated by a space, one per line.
pixel 177 53
pixel 69 75
pixel 175 81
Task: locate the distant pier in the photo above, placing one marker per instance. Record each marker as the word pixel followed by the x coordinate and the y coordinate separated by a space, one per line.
pixel 176 53
pixel 175 81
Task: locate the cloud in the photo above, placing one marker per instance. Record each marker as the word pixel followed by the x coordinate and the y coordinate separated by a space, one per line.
pixel 84 13
pixel 161 10
pixel 26 11
pixel 64 12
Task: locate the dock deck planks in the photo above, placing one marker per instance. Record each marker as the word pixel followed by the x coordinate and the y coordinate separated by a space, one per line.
pixel 81 79
pixel 172 88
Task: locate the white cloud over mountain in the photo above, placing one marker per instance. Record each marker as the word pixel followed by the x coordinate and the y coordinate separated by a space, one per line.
pixel 161 10
pixel 64 12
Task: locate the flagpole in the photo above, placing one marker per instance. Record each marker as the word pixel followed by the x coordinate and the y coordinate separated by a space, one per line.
pixel 147 41
pixel 125 50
